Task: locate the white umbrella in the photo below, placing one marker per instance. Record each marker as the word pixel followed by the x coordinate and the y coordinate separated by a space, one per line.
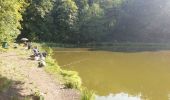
pixel 24 39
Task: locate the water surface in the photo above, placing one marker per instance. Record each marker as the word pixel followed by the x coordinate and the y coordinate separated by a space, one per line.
pixel 118 75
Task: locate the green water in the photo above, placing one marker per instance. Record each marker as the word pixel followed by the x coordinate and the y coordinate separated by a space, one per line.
pixel 118 75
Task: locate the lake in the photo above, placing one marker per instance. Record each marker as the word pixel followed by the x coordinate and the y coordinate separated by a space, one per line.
pixel 120 75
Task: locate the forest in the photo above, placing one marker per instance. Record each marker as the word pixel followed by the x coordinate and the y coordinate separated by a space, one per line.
pixel 85 21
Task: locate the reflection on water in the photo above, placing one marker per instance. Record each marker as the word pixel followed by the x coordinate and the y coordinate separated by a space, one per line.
pixel 120 96
pixel 106 73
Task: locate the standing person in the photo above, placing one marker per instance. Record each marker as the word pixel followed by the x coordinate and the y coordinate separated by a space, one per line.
pixel 25 44
pixel 29 45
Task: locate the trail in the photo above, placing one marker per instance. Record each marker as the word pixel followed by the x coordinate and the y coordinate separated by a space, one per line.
pixel 28 78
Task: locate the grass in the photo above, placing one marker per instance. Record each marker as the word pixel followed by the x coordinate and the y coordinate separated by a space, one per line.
pixel 7 81
pixel 87 95
pixel 37 96
pixel 71 79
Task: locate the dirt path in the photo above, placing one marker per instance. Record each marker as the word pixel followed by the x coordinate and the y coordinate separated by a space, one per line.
pixel 28 79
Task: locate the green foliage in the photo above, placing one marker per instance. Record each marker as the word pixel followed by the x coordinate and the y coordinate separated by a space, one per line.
pixel 87 95
pixel 69 21
pixel 72 80
pixel 65 17
pixel 10 17
pixel 38 96
pixel 36 19
pixel 52 67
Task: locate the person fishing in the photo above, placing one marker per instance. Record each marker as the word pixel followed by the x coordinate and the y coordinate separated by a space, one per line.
pixel 41 62
pixel 35 51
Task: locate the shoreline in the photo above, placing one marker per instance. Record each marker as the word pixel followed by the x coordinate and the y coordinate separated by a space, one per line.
pixel 71 79
pixel 49 82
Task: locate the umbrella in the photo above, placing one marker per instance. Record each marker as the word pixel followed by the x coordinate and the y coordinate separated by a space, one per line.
pixel 24 39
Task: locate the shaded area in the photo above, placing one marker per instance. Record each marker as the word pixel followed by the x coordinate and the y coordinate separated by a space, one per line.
pixel 130 48
pixel 113 47
pixel 11 90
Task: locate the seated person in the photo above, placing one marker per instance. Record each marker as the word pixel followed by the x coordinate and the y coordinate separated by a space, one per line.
pixel 41 61
pixel 15 45
pixel 44 54
pixel 35 51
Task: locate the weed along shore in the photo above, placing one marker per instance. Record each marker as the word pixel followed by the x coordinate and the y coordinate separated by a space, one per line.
pixel 22 79
pixel 71 79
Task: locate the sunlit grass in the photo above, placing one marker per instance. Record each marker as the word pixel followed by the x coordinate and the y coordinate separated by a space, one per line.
pixel 87 94
pixel 71 79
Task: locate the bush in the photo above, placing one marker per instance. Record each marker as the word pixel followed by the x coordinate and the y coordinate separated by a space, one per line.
pixel 72 80
pixel 87 95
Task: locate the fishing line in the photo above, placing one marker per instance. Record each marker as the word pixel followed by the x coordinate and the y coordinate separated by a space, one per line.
pixel 74 62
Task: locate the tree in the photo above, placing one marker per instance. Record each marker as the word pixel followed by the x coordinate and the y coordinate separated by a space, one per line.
pixel 65 19
pixel 10 17
pixel 37 20
pixel 69 21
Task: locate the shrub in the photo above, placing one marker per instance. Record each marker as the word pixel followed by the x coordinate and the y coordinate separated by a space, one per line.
pixel 87 95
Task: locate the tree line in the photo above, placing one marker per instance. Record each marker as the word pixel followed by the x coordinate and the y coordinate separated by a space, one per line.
pixel 85 21
pixel 69 21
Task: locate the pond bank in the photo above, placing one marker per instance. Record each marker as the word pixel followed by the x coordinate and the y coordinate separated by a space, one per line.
pixel 23 80
pixel 71 79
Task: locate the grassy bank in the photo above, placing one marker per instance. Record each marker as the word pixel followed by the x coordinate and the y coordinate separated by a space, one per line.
pixel 70 79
